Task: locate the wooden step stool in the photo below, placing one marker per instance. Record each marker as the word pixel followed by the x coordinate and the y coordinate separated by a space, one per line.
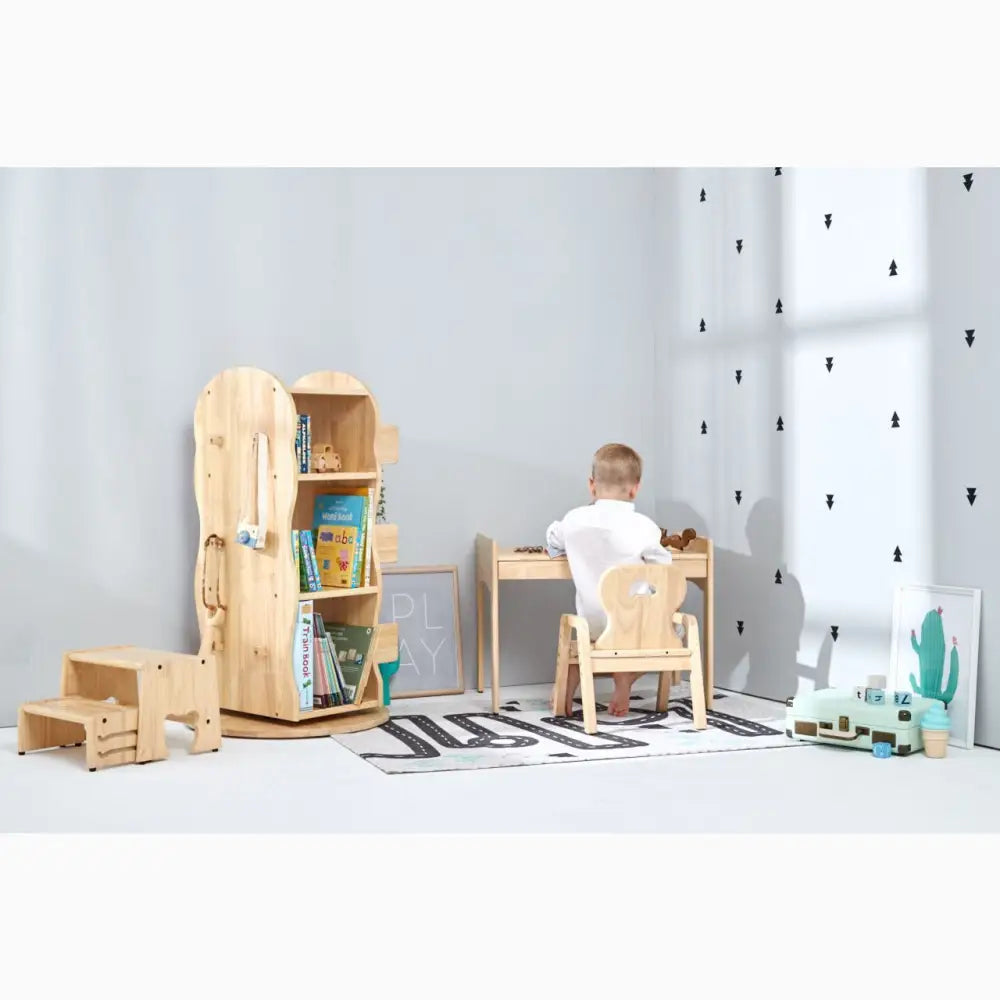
pixel 148 686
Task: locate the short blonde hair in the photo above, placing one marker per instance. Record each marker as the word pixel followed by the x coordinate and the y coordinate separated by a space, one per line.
pixel 617 466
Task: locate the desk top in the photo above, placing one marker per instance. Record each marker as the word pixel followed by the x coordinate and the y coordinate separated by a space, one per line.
pixel 691 554
pixel 494 563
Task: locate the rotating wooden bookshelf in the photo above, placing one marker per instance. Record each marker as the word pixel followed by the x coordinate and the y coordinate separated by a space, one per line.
pixel 248 599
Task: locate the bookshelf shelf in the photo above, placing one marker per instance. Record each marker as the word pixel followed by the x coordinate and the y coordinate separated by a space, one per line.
pixel 338 477
pixel 323 713
pixel 248 600
pixel 342 391
pixel 335 592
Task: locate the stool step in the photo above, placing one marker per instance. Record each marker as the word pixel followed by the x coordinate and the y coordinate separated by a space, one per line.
pixel 130 657
pixel 105 718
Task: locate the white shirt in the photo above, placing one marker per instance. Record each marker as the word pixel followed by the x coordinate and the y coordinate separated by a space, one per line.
pixel 594 538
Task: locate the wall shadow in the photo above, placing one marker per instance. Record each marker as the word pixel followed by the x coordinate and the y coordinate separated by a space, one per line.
pixel 763 659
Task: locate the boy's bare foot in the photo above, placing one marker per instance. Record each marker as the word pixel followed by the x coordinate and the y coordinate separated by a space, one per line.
pixel 619 705
pixel 620 700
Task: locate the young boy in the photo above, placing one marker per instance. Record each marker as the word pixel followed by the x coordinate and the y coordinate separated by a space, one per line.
pixel 609 532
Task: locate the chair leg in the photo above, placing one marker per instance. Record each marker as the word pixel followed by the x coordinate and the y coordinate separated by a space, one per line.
pixel 697 678
pixel 587 690
pixel 562 666
pixel 663 690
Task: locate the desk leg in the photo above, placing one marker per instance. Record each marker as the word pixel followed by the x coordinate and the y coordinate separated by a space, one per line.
pixel 479 635
pixel 708 641
pixel 495 640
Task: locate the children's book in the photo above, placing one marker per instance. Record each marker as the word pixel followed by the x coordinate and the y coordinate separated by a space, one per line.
pixel 321 685
pixel 302 658
pixel 353 644
pixel 334 663
pixel 309 570
pixel 329 662
pixel 307 539
pixel 303 442
pixel 369 541
pixel 339 520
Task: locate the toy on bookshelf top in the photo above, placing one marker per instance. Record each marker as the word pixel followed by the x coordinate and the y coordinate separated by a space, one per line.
pixel 679 542
pixel 325 459
pixel 533 549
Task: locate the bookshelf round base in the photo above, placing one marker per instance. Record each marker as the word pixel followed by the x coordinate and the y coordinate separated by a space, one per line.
pixel 252 727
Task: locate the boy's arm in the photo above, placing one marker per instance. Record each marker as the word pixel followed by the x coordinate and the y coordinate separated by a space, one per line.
pixel 555 540
pixel 653 551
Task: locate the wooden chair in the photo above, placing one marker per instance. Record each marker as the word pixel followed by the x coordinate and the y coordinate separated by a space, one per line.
pixel 639 638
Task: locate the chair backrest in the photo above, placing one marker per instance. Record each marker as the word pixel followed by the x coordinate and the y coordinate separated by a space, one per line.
pixel 643 620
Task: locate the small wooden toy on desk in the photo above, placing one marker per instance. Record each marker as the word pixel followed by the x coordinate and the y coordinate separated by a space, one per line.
pixel 679 542
pixel 325 459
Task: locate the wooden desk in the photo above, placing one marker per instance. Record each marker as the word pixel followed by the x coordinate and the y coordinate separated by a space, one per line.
pixel 493 565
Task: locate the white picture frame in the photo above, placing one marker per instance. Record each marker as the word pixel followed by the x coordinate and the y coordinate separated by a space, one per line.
pixel 960 609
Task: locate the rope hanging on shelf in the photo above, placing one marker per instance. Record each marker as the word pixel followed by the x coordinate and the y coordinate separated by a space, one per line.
pixel 212 592
pixel 254 534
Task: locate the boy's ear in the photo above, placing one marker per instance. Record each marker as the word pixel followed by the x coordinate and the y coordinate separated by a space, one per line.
pixel 593 486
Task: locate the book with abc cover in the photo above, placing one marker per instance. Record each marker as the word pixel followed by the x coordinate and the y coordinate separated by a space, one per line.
pixel 339 523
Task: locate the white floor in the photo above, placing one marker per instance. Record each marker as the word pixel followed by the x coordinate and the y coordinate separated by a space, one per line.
pixel 316 786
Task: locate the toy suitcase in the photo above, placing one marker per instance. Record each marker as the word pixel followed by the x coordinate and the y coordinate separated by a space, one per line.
pixel 836 717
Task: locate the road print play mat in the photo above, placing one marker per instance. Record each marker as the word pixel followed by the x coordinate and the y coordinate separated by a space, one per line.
pixel 461 733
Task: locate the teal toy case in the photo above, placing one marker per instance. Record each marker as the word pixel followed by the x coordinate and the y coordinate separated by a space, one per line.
pixel 837 717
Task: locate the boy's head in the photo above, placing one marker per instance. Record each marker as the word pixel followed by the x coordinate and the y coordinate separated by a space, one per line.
pixel 616 473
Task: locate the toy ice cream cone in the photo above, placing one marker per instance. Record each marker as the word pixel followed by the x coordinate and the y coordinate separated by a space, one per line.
pixel 934 728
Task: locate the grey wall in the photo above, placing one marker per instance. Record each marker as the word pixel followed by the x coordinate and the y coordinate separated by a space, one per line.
pixel 898 345
pixel 504 319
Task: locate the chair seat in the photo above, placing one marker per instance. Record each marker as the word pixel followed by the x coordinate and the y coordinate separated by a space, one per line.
pixel 631 654
pixel 645 633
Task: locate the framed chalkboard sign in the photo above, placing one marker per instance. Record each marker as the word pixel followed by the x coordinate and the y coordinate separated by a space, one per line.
pixel 423 602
